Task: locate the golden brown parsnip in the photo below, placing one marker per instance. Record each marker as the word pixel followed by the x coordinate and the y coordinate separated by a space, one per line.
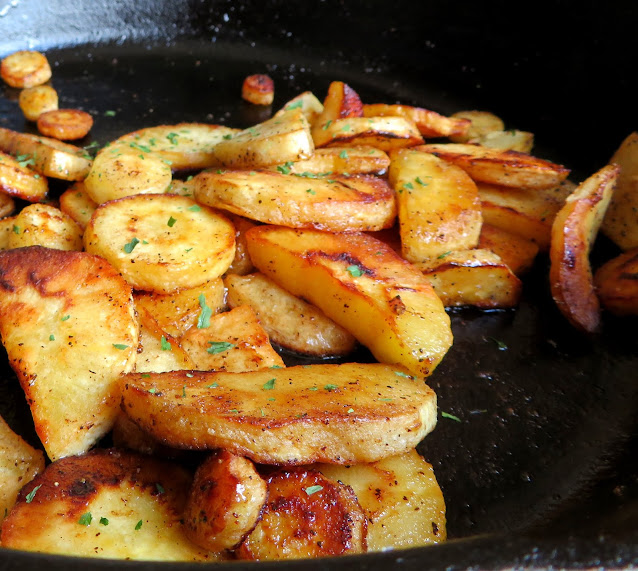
pixel 573 233
pixel 258 89
pixel 306 515
pixel 481 123
pixel 517 252
pixel 25 68
pixel 17 179
pixel 225 501
pixel 332 161
pixel 76 203
pixel 363 285
pixel 294 415
pixel 65 124
pixel 45 225
pixel 36 100
pixel 616 283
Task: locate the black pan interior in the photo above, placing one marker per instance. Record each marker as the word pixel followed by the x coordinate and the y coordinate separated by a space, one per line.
pixel 540 463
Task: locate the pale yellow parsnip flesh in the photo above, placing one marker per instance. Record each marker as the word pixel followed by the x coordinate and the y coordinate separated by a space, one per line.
pixel 364 286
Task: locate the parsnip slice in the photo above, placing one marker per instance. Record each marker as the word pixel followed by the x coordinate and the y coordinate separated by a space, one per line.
pixel 429 123
pixel 364 286
pixel 338 204
pixel 438 205
pixel 621 220
pixel 473 277
pixel 45 225
pixel 49 157
pixel 507 168
pixel 25 68
pixel 295 415
pixel 616 283
pixel 16 179
pixel 258 89
pixel 65 124
pixel 510 140
pixel 481 123
pixel 106 504
pixel 225 501
pixel 573 233
pixel 36 100
pixel 161 242
pixel 517 252
pixel 76 203
pixel 400 497
pixel 306 515
pixel 275 141
pixel 332 161
pixel 341 102
pixel 182 146
pixel 307 101
pixel 19 464
pixel 289 321
pixel 68 324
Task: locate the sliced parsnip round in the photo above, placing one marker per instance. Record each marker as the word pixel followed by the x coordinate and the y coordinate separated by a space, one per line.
pixel 20 181
pixel 116 173
pixel 45 225
pixel 617 285
pixel 36 100
pixel 225 501
pixel 573 233
pixel 183 145
pixel 65 124
pixel 25 69
pixel 75 202
pixel 162 242
pixel 258 89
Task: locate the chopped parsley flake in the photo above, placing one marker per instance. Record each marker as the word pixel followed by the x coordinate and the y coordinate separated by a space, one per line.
pixel 500 344
pixel 120 346
pixel 343 154
pixel 285 168
pixel 313 490
pixel 51 337
pixel 104 521
pixel 16 229
pixel 159 488
pixel 310 191
pixel 350 411
pixel 213 386
pixel 218 347
pixel 171 222
pixel 296 105
pixel 203 321
pixel 130 246
pixel 172 137
pixel 65 317
pixel 32 494
pixel 331 387
pixel 85 519
pixel 165 345
pixel 269 385
pixel 195 208
pixel 450 416
pixel 109 113
pixel 355 271
pixel 138 525
pixel 443 255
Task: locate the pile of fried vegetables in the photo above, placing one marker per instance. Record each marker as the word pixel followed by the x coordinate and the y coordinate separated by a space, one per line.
pixel 145 306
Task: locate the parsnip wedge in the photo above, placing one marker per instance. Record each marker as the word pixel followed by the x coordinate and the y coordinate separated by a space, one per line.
pixel 68 324
pixel 183 145
pixel 306 515
pixel 481 123
pixel 507 168
pixel 338 204
pixel 107 504
pixel 438 205
pixel 429 123
pixel 289 321
pixel 385 133
pixel 49 157
pixel 621 220
pixel 332 161
pixel 275 141
pixel 19 181
pixel 307 101
pixel 400 498
pixel 472 277
pixel 573 233
pixel 517 252
pixel 161 242
pixel 363 285
pixel 616 283
pixel 340 102
pixel 225 501
pixel 295 415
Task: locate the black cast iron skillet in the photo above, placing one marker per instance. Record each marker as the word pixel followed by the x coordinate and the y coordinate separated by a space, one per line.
pixel 540 470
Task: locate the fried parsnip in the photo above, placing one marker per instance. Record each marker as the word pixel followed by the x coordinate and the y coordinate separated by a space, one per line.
pixel 429 123
pixel 364 286
pixel 225 501
pixel 506 168
pixel 241 264
pixel 107 504
pixel 7 226
pixel 25 68
pixel 621 220
pixel 338 161
pixel 307 101
pixel 472 277
pixel 341 102
pixel 258 89
pixel 182 146
pixel 68 324
pixel 438 205
pixel 289 321
pixel 45 225
pixel 295 415
pixel 518 253
pixel 338 204
pixel 7 205
pixel 49 157
pixel 188 307
pixel 117 172
pixel 400 497
pixel 65 124
pixel 232 341
pixel 510 140
pixel 76 203
pixel 36 100
pixel 275 141
pixel 16 179
pixel 306 515
pixel 573 233
pixel 19 464
pixel 161 242
pixel 616 283
pixel 481 123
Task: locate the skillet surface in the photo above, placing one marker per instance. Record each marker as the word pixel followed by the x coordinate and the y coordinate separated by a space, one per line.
pixel 540 468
